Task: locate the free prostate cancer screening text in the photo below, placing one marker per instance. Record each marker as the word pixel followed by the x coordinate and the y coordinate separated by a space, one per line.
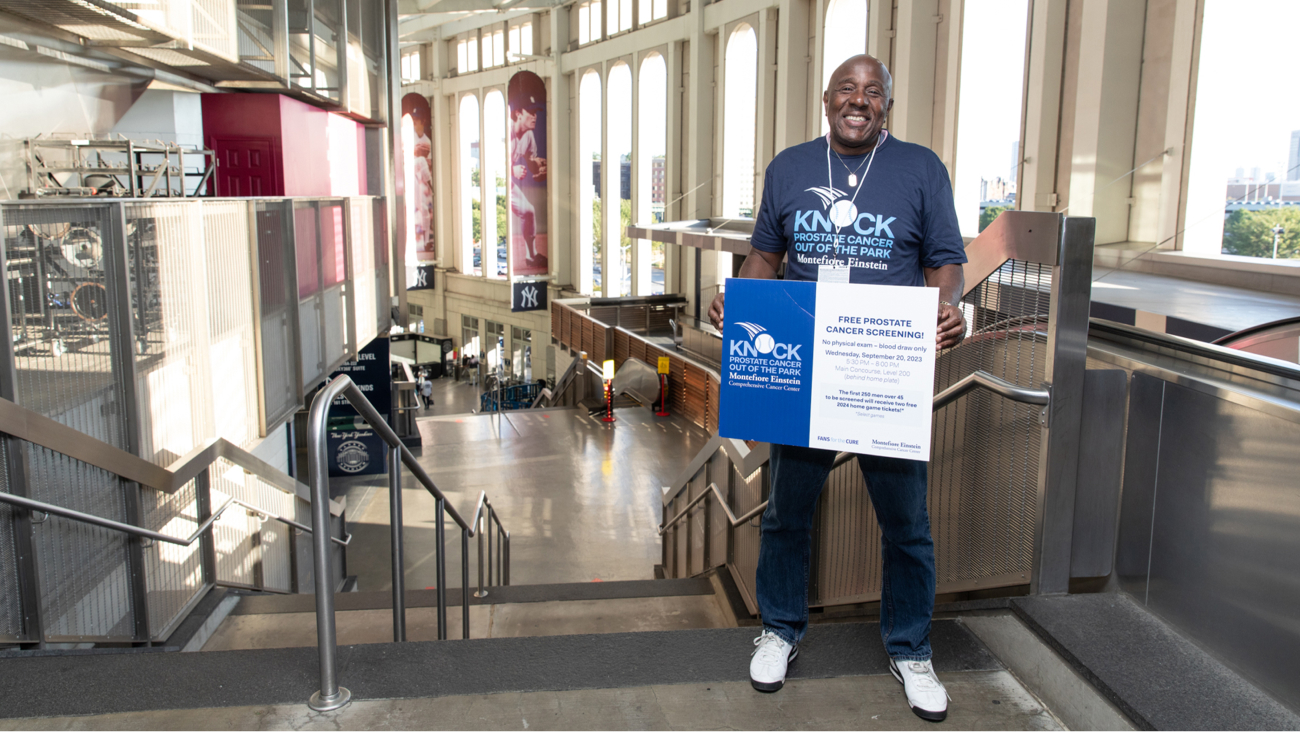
pixel 856 327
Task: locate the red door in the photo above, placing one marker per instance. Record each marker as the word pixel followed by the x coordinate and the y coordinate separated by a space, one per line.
pixel 246 167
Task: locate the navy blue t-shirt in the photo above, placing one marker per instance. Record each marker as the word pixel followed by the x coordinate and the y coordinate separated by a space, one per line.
pixel 902 220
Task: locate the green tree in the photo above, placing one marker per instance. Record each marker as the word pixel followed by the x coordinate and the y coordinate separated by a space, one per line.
pixel 625 219
pixel 987 215
pixel 501 212
pixel 476 228
pixel 1250 233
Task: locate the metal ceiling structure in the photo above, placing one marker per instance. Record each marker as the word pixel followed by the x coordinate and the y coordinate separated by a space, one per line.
pixel 308 49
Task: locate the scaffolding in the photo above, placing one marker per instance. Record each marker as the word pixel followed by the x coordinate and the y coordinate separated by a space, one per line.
pixel 78 168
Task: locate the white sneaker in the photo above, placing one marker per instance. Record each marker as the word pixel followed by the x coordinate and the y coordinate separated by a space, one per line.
pixel 925 693
pixel 770 660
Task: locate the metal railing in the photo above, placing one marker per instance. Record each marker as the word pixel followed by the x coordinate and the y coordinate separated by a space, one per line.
pixel 194 470
pixel 977 380
pixel 331 695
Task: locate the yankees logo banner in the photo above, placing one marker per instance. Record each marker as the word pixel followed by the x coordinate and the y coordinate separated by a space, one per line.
pixel 831 365
pixel 423 279
pixel 525 296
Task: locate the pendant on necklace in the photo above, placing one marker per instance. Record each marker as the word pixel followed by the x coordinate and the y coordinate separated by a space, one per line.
pixel 853 180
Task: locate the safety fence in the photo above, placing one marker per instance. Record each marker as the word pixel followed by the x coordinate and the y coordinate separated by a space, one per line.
pixel 156 327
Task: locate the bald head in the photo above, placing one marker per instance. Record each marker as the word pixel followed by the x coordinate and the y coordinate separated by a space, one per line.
pixel 864 62
pixel 858 97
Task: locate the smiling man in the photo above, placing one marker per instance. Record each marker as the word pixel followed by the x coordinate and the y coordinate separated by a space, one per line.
pixel 855 206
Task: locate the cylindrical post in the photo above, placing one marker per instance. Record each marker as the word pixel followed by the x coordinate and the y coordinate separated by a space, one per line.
pixel 464 582
pixel 663 396
pixel 479 528
pixel 440 531
pixel 505 561
pixel 609 402
pixel 487 532
pixel 395 524
pixel 331 696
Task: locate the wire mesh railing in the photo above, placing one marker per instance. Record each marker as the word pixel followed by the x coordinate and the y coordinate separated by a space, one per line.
pixel 155 327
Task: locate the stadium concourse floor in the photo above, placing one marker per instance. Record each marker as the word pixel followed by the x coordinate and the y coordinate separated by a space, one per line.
pixel 580 498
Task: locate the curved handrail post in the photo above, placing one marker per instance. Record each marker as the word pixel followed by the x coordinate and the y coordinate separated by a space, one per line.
pixel 395 530
pixel 464 582
pixel 440 531
pixel 330 696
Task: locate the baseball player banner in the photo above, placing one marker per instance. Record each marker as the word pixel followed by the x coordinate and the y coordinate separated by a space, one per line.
pixel 526 192
pixel 838 366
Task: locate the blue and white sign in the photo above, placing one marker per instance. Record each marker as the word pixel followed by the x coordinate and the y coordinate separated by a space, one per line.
pixel 838 366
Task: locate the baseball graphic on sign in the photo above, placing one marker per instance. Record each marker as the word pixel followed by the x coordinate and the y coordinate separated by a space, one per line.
pixel 764 343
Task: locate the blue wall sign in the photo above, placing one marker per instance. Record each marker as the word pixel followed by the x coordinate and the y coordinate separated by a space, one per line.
pixel 354 448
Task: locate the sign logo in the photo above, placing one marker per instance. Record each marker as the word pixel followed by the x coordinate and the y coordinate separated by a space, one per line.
pixel 525 296
pixel 353 456
pixel 762 342
pixel 422 277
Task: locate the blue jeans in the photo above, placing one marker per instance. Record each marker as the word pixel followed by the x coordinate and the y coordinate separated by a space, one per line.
pixel 898 490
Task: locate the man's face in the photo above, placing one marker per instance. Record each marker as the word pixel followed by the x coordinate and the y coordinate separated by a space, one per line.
pixel 528 120
pixel 856 102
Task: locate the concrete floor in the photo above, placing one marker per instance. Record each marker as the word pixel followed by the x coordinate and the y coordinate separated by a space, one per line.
pixel 581 498
pixel 451 397
pixel 515 620
pixel 980 700
pixel 1201 302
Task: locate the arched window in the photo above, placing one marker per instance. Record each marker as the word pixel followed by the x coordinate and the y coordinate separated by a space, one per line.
pixel 589 137
pixel 617 177
pixel 741 93
pixel 470 195
pixel 494 181
pixel 988 123
pixel 739 117
pixel 845 37
pixel 651 184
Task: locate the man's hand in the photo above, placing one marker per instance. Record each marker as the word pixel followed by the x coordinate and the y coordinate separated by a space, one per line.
pixel 715 311
pixel 952 326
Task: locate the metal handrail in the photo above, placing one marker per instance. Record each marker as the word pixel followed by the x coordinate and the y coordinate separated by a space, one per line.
pixel 977 380
pixel 87 518
pixel 563 382
pixel 25 424
pixel 331 695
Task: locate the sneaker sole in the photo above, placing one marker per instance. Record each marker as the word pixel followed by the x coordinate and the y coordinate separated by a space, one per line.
pixel 925 714
pixel 767 687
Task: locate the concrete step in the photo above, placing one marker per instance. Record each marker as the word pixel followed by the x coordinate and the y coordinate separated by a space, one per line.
pixel 129 683
pixel 288 621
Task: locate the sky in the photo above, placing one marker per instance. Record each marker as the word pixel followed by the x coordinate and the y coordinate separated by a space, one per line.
pixel 992 79
pixel 1245 107
pixel 1244 90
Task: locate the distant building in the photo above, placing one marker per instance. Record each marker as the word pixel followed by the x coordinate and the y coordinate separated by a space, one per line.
pixel 1293 160
pixel 997 190
pixel 625 177
pixel 1245 190
pixel 658 181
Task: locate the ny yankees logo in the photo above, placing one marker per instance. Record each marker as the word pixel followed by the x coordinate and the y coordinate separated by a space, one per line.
pixel 422 278
pixel 529 296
